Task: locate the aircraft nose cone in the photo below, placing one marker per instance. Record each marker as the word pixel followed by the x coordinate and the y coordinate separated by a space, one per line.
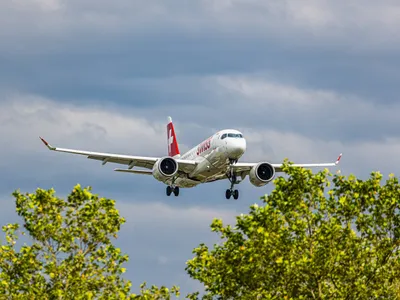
pixel 242 146
pixel 238 148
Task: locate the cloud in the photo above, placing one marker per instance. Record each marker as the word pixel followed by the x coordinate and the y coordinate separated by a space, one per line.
pixel 322 114
pixel 25 117
pixel 359 158
pixel 323 23
pixel 262 91
pixel 105 51
pixel 314 21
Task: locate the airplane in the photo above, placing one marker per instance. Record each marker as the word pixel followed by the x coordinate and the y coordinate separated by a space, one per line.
pixel 216 158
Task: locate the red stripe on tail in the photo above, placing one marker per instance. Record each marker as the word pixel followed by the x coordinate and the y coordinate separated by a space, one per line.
pixel 173 148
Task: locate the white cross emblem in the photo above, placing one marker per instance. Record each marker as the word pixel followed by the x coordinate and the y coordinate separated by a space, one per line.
pixel 170 140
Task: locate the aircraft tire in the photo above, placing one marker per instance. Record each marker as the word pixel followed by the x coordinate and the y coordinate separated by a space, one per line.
pixel 228 194
pixel 169 190
pixel 235 194
pixel 176 191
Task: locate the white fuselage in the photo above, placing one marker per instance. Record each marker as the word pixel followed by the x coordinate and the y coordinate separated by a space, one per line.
pixel 213 156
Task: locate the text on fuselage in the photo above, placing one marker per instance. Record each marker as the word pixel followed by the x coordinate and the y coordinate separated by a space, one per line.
pixel 204 146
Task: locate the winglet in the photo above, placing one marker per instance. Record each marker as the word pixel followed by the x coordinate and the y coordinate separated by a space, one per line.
pixel 338 159
pixel 47 144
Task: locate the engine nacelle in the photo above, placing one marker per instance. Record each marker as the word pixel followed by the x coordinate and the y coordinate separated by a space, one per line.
pixel 261 174
pixel 165 168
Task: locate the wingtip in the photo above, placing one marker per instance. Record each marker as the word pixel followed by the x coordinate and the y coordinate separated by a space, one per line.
pixel 338 159
pixel 46 143
pixel 169 119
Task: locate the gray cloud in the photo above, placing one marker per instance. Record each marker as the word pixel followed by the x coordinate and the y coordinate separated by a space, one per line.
pixel 318 113
pixel 327 21
pixel 173 70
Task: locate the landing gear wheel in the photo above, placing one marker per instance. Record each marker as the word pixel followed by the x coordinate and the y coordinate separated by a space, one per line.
pixel 176 191
pixel 169 190
pixel 232 176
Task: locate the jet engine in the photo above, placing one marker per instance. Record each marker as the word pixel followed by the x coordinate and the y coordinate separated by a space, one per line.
pixel 261 174
pixel 165 168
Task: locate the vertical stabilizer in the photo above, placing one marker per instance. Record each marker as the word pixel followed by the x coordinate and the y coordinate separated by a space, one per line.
pixel 173 148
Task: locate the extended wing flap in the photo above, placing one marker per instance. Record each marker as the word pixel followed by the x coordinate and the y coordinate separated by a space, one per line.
pixel 130 162
pixel 142 172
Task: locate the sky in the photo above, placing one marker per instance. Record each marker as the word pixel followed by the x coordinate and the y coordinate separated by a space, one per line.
pixel 303 80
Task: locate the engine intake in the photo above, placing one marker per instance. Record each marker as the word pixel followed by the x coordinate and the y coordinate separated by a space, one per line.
pixel 165 168
pixel 262 174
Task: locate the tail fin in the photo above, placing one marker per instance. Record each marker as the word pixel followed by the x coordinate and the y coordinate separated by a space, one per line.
pixel 173 148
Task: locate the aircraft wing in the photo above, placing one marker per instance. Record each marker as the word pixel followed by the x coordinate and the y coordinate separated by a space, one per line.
pixel 131 161
pixel 246 167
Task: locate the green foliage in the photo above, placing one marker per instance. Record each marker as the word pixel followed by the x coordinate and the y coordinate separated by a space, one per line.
pixel 308 241
pixel 72 255
pixel 156 293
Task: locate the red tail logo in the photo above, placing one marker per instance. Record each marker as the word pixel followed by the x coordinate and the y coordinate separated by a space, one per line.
pixel 173 148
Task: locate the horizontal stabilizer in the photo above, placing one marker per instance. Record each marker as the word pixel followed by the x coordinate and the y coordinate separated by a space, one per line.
pixel 143 172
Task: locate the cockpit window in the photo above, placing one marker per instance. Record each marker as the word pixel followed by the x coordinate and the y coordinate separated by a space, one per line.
pixel 231 135
pixel 235 135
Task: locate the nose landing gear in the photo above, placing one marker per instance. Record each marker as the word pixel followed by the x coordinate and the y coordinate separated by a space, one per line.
pixel 233 179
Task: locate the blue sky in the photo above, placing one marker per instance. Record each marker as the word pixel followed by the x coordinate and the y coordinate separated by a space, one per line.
pixel 303 80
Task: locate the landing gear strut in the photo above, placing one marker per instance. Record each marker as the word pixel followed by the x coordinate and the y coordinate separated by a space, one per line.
pixel 172 189
pixel 233 179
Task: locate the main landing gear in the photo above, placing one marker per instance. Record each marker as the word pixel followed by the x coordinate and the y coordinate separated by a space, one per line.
pixel 171 189
pixel 233 179
pixel 231 192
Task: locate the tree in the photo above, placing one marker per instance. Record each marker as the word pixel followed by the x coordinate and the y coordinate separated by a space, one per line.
pixel 72 255
pixel 308 241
